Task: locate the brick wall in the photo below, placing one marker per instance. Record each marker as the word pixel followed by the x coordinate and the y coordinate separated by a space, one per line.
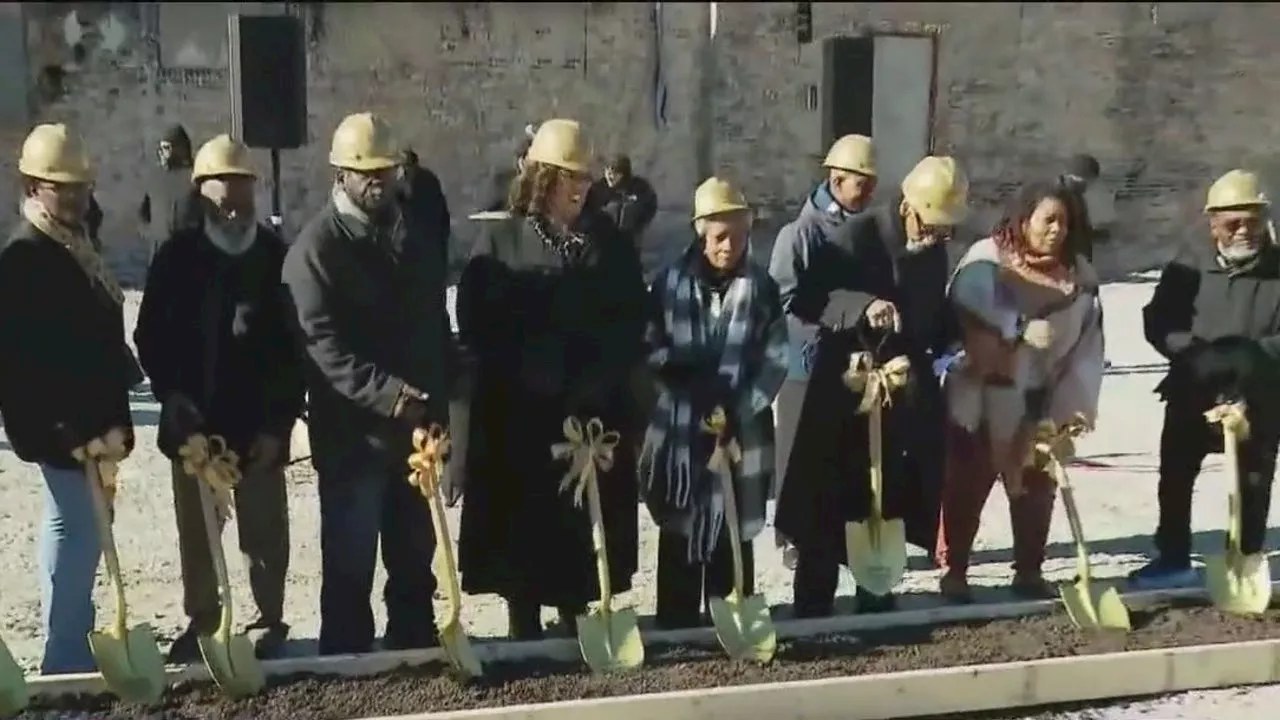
pixel 1166 95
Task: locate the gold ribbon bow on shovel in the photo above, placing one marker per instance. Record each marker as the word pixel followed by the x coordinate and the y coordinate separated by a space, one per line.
pixel 128 658
pixel 1054 445
pixel 877 547
pixel 430 448
pixel 742 623
pixel 231 661
pixel 609 639
pixel 1238 583
pixel 14 694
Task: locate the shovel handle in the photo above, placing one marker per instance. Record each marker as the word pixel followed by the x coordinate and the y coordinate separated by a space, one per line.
pixel 107 537
pixel 875 437
pixel 1231 449
pixel 598 539
pixel 213 534
pixel 1073 519
pixel 444 546
pixel 735 530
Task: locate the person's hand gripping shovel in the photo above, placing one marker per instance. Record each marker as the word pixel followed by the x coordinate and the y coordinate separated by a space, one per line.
pixel 609 638
pixel 877 547
pixel 430 449
pixel 1238 583
pixel 128 658
pixel 1052 449
pixel 742 622
pixel 215 469
pixel 14 694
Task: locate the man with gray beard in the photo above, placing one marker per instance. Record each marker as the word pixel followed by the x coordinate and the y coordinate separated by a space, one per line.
pixel 215 334
pixel 368 287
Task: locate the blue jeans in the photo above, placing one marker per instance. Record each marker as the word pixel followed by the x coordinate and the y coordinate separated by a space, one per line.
pixel 69 550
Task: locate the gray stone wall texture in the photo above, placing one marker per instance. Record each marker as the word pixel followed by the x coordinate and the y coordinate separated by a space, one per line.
pixel 1166 95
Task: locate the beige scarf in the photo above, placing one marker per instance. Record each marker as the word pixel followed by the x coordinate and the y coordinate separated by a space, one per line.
pixel 77 243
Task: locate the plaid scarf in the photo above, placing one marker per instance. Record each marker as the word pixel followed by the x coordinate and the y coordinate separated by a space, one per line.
pixel 77 242
pixel 749 335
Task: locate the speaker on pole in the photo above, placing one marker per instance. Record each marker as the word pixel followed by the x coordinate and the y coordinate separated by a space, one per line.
pixel 268 63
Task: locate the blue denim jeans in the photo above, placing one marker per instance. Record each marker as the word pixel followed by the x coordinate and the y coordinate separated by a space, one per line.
pixel 69 551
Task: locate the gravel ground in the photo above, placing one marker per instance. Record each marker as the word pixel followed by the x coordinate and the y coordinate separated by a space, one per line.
pixel 1116 495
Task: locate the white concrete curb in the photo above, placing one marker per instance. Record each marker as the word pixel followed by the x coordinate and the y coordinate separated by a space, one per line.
pixel 566 649
pixel 975 688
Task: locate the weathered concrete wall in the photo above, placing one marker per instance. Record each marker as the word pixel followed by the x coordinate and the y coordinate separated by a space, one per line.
pixel 1166 95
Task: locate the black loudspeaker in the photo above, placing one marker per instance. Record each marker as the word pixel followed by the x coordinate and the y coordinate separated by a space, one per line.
pixel 268 59
pixel 848 76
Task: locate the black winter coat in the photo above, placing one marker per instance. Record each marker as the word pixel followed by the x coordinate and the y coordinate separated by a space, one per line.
pixel 65 370
pixel 218 329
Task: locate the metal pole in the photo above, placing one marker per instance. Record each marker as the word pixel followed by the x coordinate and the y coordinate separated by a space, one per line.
pixel 706 100
pixel 277 212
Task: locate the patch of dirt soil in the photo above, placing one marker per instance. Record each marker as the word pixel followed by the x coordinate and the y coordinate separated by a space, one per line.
pixel 667 669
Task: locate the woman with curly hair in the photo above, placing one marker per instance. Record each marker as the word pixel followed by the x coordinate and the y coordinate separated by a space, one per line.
pixel 1027 304
pixel 551 307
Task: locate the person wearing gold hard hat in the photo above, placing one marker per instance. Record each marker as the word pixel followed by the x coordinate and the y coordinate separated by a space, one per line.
pixel 551 307
pixel 65 375
pixel 877 288
pixel 220 277
pixel 1215 315
pixel 846 191
pixel 717 339
pixel 368 286
pixel 1030 352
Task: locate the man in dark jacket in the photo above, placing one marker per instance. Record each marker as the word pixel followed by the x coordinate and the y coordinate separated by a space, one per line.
pixel 169 201
pixel 850 183
pixel 215 335
pixel 626 199
pixel 65 375
pixel 1216 315
pixel 878 286
pixel 369 292
pixel 421 193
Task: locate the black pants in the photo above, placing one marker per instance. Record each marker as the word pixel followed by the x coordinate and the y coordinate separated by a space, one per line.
pixel 1184 441
pixel 684 588
pixel 365 500
pixel 817 577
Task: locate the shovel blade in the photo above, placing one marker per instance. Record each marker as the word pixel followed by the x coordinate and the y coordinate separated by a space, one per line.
pixel 877 556
pixel 1079 605
pixel 14 695
pixel 131 665
pixel 745 627
pixel 1242 587
pixel 610 642
pixel 1112 613
pixel 457 647
pixel 233 665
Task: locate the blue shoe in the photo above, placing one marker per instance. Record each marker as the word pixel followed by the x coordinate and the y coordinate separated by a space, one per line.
pixel 1161 575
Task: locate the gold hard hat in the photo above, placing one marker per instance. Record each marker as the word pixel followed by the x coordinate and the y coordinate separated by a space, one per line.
pixel 938 191
pixel 54 153
pixel 363 142
pixel 559 143
pixel 223 155
pixel 1238 188
pixel 715 196
pixel 853 153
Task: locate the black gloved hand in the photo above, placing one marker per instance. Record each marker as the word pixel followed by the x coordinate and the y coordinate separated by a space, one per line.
pixel 412 408
pixel 180 418
pixel 1226 365
pixel 684 370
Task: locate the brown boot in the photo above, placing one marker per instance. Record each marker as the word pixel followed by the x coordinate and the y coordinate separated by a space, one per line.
pixel 954 587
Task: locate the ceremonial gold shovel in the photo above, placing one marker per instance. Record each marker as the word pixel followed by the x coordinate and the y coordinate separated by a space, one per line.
pixel 231 661
pixel 430 447
pixel 1077 597
pixel 128 658
pixel 14 694
pixel 609 638
pixel 742 623
pixel 1237 583
pixel 877 547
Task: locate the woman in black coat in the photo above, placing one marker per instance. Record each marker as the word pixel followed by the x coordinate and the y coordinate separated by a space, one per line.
pixel 551 306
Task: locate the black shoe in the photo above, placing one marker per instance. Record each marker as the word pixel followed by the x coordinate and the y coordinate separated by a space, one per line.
pixel 569 618
pixel 868 603
pixel 417 641
pixel 524 621
pixel 185 649
pixel 268 638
